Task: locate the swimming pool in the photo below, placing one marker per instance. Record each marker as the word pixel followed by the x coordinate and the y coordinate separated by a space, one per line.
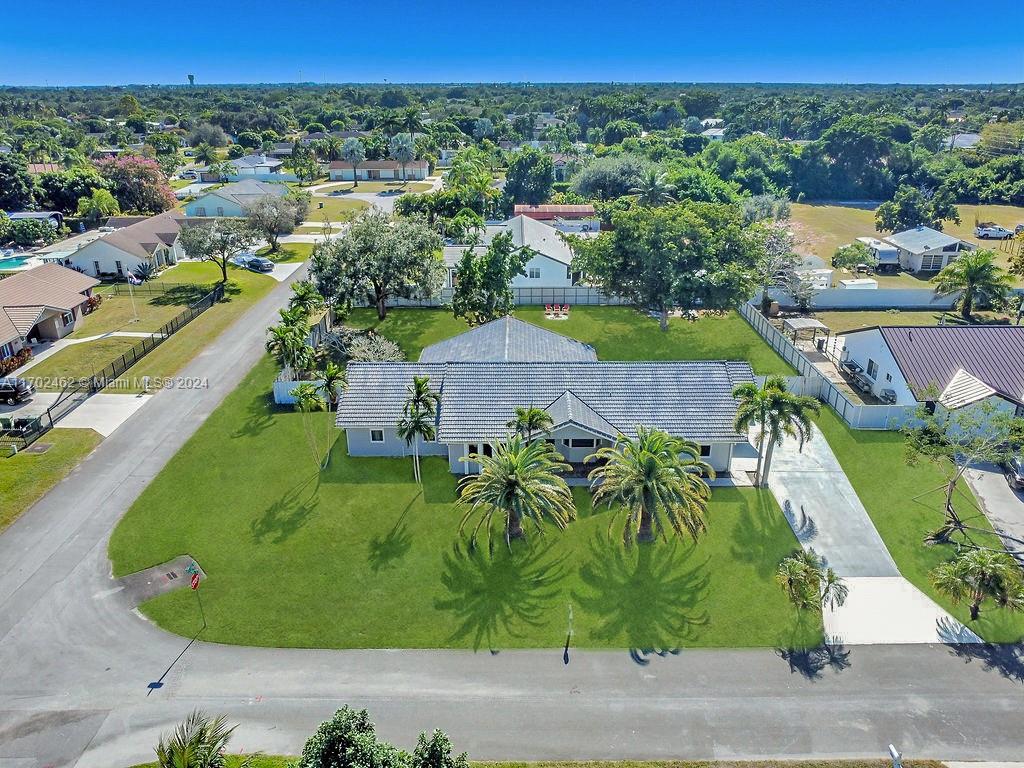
pixel 14 262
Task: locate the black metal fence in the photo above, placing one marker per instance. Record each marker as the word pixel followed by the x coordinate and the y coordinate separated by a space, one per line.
pixel 147 288
pixel 19 432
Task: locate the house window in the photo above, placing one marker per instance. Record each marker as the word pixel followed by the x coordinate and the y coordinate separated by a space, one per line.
pixel 120 270
pixel 888 377
pixel 376 435
pixel 581 442
pixel 67 318
pixel 6 351
pixel 488 450
pixel 220 210
pixel 705 450
pixel 872 368
pixel 453 279
pixel 96 268
pixel 535 273
pixel 200 210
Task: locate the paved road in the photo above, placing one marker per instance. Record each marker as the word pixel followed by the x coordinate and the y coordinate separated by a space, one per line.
pixel 76 662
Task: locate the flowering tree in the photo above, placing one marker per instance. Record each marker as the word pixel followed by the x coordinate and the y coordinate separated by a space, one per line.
pixel 137 183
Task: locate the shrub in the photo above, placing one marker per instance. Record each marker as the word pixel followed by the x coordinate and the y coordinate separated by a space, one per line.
pixel 15 361
pixel 92 303
pixel 353 345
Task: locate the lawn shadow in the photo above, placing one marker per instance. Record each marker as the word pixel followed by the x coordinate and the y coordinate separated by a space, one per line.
pixel 499 593
pixel 811 663
pixel 644 596
pixel 386 550
pixel 258 416
pixel 1007 660
pixel 180 295
pixel 754 539
pixel 280 521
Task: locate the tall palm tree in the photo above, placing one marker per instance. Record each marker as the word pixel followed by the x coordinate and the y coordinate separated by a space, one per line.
pixel 421 396
pixel 288 346
pixel 99 204
pixel 412 427
pixel 411 121
pixel 308 401
pixel 974 273
pixel 305 297
pixel 333 378
pixel 199 742
pixel 653 189
pixel 980 575
pixel 403 149
pixel 656 478
pixel 530 420
pixel 776 413
pixel 353 152
pixel 521 481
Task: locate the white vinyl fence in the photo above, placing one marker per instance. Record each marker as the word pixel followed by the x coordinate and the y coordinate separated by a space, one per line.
pixel 572 295
pixel 877 298
pixel 814 383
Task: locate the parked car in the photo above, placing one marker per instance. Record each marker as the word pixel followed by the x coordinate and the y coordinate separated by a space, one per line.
pixel 1013 471
pixel 260 264
pixel 189 175
pixel 992 232
pixel 13 391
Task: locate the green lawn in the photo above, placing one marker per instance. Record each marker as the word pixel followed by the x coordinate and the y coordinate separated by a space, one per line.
pixel 617 333
pixel 77 361
pixel 360 557
pixel 118 313
pixel 821 228
pixel 26 477
pixel 905 505
pixel 335 209
pixel 277 761
pixel 369 187
pixel 287 252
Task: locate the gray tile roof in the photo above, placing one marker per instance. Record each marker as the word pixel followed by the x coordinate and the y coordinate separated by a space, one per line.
pixel 568 409
pixel 248 191
pixel 921 239
pixel 690 399
pixel 931 355
pixel 508 340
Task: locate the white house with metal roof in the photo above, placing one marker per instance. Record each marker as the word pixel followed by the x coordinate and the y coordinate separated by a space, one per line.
pixel 923 249
pixel 550 263
pixel 516 364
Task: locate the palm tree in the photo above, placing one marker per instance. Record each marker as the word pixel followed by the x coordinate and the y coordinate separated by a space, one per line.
pixel 288 346
pixel 777 413
pixel 808 583
pixel 974 273
pixel 421 396
pixel 333 378
pixel 653 189
pixel 99 204
pixel 411 121
pixel 412 427
pixel 353 152
pixel 308 401
pixel 403 149
pixel 530 420
pixel 199 742
pixel 305 297
pixel 205 153
pixel 656 478
pixel 980 575
pixel 519 482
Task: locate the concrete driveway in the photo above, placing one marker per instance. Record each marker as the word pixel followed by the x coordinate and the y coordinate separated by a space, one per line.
pixel 1003 506
pixel 103 413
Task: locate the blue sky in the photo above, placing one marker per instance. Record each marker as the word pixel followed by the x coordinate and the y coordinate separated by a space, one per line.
pixel 95 42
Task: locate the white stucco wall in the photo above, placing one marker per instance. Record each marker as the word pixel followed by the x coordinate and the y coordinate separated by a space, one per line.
pixel 106 255
pixel 359 444
pixel 553 274
pixel 213 205
pixel 868 345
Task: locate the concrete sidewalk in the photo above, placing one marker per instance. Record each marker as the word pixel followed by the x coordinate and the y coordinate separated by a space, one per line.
pixel 827 516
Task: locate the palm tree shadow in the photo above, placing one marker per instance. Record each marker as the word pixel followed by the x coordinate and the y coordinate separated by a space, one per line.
pixel 499 593
pixel 386 550
pixel 259 417
pixel 643 594
pixel 1006 660
pixel 811 663
pixel 754 534
pixel 288 514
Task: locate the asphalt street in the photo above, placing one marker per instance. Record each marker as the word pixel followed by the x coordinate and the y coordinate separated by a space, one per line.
pixel 77 664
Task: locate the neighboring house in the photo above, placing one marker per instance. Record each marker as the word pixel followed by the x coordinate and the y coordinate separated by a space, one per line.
pixel 379 170
pixel 153 240
pixel 485 374
pixel 234 199
pixel 54 218
pixel 924 249
pixel 714 134
pixel 564 218
pixel 564 165
pixel 550 263
pixel 282 149
pixel 712 122
pixel 36 168
pixel 964 140
pixel 447 156
pixel 887 257
pixel 953 365
pixel 259 167
pixel 44 302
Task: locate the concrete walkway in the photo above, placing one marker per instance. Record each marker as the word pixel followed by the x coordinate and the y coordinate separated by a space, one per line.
pixel 827 516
